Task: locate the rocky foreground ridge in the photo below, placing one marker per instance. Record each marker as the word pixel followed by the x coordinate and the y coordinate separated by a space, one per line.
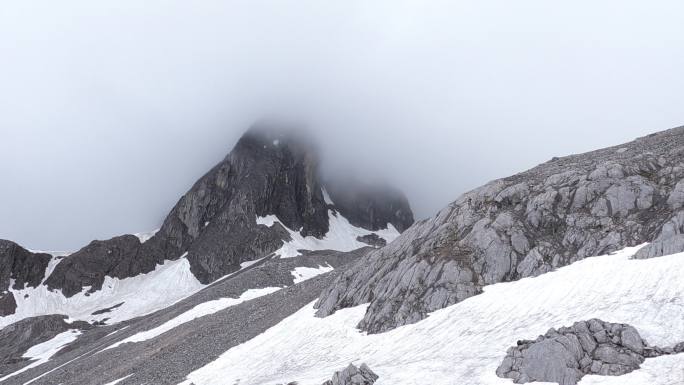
pixel 559 212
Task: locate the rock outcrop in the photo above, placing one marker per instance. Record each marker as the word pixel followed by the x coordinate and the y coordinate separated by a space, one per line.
pixel 24 268
pixel 269 172
pixel 557 213
pixel 19 337
pixel 565 355
pixel 352 375
pixel 372 240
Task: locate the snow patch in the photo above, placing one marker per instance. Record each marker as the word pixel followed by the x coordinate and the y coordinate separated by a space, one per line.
pixel 301 274
pixel 326 197
pixel 201 310
pixel 464 343
pixel 341 236
pixel 144 237
pixel 119 380
pixel 42 352
pixel 162 287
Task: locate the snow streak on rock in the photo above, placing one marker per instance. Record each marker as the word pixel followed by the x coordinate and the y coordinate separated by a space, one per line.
pixel 201 310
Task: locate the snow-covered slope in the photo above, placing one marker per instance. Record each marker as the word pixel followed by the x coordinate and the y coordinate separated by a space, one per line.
pixel 341 236
pixel 170 281
pixel 464 343
pixel 128 298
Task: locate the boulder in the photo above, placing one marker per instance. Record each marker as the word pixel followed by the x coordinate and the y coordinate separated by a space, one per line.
pixel 353 375
pixel 566 354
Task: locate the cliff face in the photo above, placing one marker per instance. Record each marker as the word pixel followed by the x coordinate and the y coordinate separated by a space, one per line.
pixel 269 172
pixel 20 266
pixel 552 215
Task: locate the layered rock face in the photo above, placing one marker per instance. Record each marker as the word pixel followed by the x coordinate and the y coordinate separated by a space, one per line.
pixel 269 172
pixel 20 266
pixel 587 347
pixel 557 213
pixel 352 375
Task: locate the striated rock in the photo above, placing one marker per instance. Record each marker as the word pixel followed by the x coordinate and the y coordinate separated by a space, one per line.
pixel 555 214
pixel 269 172
pixel 565 355
pixel 352 375
pixel 661 247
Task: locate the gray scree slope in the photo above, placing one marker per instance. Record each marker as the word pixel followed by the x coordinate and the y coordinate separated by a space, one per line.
pixel 559 212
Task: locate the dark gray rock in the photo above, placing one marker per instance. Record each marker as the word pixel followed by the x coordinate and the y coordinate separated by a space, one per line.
pixel 117 257
pixel 27 269
pixel 8 305
pixel 372 240
pixel 269 172
pixel 565 355
pixel 22 266
pixel 370 206
pixel 17 338
pixel 352 375
pixel 550 216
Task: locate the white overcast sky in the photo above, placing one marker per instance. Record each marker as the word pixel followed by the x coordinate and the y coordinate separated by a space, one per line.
pixel 110 110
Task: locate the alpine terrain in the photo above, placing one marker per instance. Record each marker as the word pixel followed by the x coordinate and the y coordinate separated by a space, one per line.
pixel 268 272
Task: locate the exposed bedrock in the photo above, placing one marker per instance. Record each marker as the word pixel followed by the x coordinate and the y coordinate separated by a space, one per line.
pixel 565 355
pixel 557 213
pixel 17 338
pixel 353 375
pixel 269 172
pixel 24 268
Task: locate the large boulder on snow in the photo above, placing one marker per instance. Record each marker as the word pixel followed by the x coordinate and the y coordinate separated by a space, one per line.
pixel 565 355
pixel 353 375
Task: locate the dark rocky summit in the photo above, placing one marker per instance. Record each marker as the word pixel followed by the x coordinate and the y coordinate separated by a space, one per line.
pixel 352 375
pixel 557 213
pixel 269 172
pixel 587 347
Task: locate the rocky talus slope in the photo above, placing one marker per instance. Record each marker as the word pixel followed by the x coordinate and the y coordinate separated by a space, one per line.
pixel 559 212
pixel 587 347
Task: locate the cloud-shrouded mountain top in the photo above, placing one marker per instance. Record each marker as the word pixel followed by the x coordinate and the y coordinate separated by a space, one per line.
pixel 109 110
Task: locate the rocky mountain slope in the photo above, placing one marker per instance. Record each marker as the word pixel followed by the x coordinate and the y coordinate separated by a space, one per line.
pixel 559 212
pixel 214 230
pixel 266 274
